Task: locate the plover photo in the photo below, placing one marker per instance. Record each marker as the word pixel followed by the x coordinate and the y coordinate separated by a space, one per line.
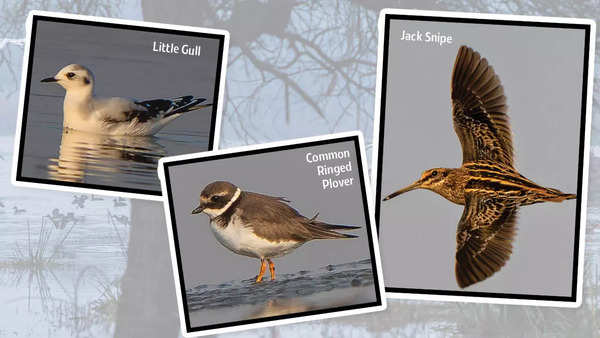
pixel 260 226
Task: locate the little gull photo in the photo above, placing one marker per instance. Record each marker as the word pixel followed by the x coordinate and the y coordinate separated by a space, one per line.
pixel 100 118
pixel 116 115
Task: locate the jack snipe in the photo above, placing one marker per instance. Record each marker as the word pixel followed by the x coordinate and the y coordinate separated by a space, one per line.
pixel 487 184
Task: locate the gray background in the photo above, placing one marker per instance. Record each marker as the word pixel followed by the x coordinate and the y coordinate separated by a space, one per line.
pixel 281 173
pixel 541 71
pixel 124 65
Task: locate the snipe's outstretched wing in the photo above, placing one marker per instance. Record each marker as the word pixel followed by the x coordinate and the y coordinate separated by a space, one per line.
pixel 483 238
pixel 479 110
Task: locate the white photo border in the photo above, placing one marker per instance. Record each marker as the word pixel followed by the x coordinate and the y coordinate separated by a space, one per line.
pixel 29 182
pixel 589 26
pixel 379 305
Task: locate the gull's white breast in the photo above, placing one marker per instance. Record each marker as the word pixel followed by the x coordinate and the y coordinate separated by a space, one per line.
pixel 242 240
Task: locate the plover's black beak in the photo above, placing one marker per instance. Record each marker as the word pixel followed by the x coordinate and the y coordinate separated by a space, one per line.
pixel 49 79
pixel 199 209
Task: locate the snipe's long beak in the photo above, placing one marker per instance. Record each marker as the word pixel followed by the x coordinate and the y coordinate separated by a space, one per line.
pixel 49 79
pixel 413 186
pixel 199 209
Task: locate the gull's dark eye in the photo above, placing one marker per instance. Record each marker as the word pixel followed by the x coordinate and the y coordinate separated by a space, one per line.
pixel 215 198
pixel 70 75
pixel 434 173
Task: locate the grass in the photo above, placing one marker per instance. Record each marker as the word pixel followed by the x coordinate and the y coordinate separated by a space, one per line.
pixel 122 244
pixel 39 253
pixel 34 260
pixel 88 316
pixel 106 306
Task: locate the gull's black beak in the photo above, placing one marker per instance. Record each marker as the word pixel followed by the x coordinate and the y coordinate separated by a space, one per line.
pixel 199 209
pixel 49 79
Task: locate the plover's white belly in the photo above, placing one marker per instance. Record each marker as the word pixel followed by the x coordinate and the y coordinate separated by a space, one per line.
pixel 242 240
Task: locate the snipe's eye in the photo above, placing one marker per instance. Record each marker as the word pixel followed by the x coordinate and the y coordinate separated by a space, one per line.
pixel 434 173
pixel 70 75
pixel 215 198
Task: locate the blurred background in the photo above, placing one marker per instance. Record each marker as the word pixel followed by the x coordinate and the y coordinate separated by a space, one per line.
pixel 88 266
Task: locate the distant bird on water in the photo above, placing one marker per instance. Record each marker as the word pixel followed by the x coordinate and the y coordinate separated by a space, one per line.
pixel 115 115
pixel 260 226
pixel 487 183
pixel 119 202
pixel 79 200
pixel 18 211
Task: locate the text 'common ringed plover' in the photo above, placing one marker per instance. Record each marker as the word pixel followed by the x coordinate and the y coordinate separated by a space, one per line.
pixel 260 226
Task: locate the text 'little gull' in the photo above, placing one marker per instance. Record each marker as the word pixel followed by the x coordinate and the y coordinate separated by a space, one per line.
pixel 115 115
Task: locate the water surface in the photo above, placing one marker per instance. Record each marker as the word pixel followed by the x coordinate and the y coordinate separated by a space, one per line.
pixel 60 275
pixel 112 161
pixel 323 288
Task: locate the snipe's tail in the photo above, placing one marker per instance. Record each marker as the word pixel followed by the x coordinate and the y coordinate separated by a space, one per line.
pixel 556 195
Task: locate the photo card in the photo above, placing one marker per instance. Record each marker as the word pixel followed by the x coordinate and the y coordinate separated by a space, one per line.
pixel 492 115
pixel 272 234
pixel 102 100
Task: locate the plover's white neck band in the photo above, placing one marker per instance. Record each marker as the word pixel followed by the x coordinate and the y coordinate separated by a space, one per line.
pixel 218 212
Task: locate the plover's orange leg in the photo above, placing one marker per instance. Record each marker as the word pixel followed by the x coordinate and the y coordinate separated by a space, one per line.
pixel 263 267
pixel 272 269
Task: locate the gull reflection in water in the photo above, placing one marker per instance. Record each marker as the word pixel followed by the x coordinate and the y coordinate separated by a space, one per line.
pixel 105 158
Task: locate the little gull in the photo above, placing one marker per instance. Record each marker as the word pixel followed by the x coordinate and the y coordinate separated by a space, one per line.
pixel 116 115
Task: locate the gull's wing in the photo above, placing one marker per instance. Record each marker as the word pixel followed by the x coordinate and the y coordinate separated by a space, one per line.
pixel 275 220
pixel 479 110
pixel 178 105
pixel 118 109
pixel 483 238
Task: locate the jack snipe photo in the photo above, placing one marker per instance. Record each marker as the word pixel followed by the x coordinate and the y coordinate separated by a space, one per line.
pixel 487 183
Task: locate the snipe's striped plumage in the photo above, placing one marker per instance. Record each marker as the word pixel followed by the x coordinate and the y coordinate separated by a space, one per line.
pixel 487 183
